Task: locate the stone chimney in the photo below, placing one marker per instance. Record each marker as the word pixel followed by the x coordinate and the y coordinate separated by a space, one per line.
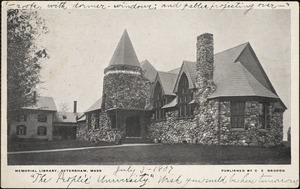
pixel 75 107
pixel 205 65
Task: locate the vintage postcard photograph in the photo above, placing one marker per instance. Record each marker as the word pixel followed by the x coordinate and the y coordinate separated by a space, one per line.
pixel 142 94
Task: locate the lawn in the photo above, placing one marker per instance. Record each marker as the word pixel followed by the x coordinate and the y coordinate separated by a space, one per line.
pixel 54 144
pixel 181 154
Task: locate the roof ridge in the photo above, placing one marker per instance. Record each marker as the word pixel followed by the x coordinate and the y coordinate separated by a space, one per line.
pixel 246 43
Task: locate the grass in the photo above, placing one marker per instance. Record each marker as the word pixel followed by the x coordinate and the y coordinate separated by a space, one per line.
pixel 54 144
pixel 181 154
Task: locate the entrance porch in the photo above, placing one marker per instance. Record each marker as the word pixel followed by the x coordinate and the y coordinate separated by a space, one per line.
pixel 131 122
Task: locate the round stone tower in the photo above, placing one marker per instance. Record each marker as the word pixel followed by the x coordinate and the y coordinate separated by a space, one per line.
pixel 124 85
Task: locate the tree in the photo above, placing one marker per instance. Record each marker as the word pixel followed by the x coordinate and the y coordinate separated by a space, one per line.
pixel 24 27
pixel 64 107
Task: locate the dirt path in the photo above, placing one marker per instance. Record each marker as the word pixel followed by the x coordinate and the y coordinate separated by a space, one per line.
pixel 73 149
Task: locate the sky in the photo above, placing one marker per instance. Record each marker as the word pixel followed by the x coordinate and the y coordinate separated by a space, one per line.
pixel 82 42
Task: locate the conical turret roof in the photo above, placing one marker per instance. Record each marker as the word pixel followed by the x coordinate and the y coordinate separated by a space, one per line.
pixel 124 53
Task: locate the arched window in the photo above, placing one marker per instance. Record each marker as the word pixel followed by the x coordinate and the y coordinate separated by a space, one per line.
pixel 42 130
pixel 21 130
pixel 42 118
pixel 185 96
pixel 158 102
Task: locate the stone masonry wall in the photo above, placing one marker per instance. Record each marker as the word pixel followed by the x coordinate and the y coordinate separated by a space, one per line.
pixel 203 128
pixel 207 114
pixel 125 90
pixel 104 133
pixel 251 135
pixel 198 130
pixel 173 130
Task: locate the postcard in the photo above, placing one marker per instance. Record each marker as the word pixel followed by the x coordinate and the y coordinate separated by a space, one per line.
pixel 149 94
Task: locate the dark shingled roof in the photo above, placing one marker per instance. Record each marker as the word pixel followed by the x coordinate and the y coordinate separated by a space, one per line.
pixel 82 118
pixel 167 81
pixel 237 72
pixel 189 68
pixel 43 103
pixel 172 104
pixel 124 53
pixel 234 79
pixel 95 106
pixel 149 70
pixel 175 71
pixel 66 117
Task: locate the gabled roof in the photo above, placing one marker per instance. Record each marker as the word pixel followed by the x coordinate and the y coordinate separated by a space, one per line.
pixel 43 103
pixel 233 78
pixel 175 71
pixel 124 53
pixel 95 106
pixel 149 70
pixel 66 117
pixel 188 68
pixel 237 72
pixel 167 81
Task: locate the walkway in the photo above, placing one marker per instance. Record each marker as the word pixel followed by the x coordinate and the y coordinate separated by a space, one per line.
pixel 81 148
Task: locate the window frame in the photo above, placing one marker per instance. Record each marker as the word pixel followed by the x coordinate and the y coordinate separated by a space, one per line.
pixel 185 96
pixel 97 120
pixel 42 120
pixel 263 116
pixel 240 114
pixel 21 128
pixel 21 117
pixel 159 100
pixel 39 133
pixel 113 121
pixel 89 121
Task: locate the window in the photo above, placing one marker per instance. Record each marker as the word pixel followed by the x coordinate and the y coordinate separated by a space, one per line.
pixel 184 97
pixel 42 130
pixel 263 116
pixel 89 121
pixel 21 130
pixel 97 121
pixel 113 120
pixel 42 118
pixel 21 117
pixel 159 102
pixel 237 114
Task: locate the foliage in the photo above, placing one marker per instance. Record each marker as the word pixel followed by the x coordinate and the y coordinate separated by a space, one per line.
pixel 24 27
pixel 64 107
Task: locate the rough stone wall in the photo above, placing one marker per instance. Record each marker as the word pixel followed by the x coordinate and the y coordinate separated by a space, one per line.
pixel 172 129
pixel 207 113
pixel 190 130
pixel 251 135
pixel 203 128
pixel 104 133
pixel 207 117
pixel 125 90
